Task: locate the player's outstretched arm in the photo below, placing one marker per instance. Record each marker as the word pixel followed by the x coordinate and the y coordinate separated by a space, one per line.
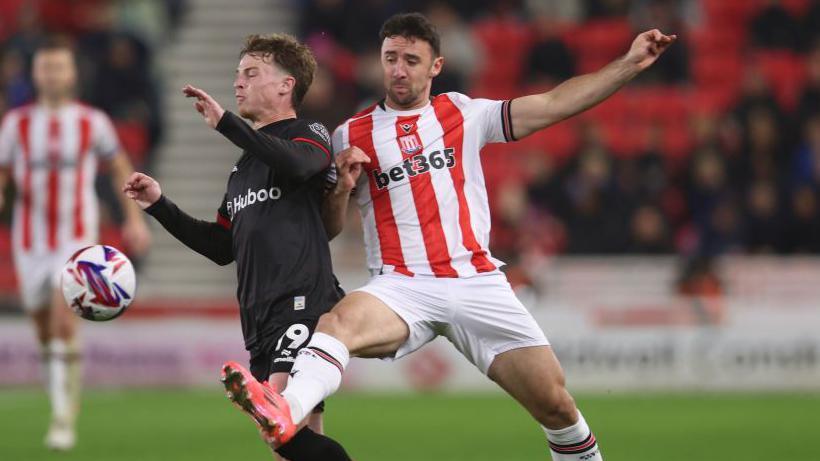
pixel 298 160
pixel 209 239
pixel 532 113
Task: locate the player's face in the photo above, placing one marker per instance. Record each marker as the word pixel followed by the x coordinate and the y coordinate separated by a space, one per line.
pixel 409 67
pixel 54 73
pixel 260 85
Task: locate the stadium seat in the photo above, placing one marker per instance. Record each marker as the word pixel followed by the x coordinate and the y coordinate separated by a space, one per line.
pixel 729 14
pixel 677 139
pixel 614 108
pixel 597 42
pixel 134 139
pixel 9 12
pixel 506 44
pixel 625 138
pixel 717 70
pixel 786 73
pixel 658 104
pixel 712 100
pixel 559 141
pixel 796 8
pixel 715 41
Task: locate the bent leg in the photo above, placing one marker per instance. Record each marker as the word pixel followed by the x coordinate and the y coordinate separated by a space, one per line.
pixel 359 325
pixel 533 377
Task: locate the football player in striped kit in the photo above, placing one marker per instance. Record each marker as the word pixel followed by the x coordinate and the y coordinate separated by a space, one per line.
pixel 50 149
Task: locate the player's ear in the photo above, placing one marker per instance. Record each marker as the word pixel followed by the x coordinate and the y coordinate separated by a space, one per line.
pixel 435 69
pixel 287 85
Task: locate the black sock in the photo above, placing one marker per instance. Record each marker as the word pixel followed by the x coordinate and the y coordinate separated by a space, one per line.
pixel 307 445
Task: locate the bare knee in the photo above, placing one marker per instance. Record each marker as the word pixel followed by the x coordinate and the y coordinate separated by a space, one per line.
pixel 331 323
pixel 555 408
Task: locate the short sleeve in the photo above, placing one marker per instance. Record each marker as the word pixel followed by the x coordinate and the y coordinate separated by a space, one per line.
pixel 223 216
pixel 8 138
pixel 492 116
pixel 105 142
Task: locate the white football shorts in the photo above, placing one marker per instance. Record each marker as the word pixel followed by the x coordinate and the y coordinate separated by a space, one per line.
pixel 480 315
pixel 38 274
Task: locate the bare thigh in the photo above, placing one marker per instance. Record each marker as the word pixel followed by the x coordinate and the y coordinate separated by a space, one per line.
pixel 365 325
pixel 533 377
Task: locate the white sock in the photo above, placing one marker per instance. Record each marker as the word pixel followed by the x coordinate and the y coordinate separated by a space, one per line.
pixel 75 378
pixel 316 374
pixel 58 379
pixel 573 443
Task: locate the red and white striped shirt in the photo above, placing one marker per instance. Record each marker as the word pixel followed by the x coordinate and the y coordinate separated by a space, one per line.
pixel 422 196
pixel 53 156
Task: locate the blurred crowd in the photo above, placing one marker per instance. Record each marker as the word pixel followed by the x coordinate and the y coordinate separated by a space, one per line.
pixel 714 150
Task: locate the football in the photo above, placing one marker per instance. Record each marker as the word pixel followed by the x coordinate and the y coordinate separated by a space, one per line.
pixel 98 282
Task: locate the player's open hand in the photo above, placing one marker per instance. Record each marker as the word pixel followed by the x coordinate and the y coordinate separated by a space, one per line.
pixel 205 105
pixel 648 46
pixel 349 167
pixel 142 189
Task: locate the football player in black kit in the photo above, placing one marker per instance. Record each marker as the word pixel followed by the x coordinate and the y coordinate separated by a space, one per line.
pixel 270 223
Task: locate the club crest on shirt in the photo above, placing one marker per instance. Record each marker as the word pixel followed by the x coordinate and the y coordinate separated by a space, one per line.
pixel 410 144
pixel 320 129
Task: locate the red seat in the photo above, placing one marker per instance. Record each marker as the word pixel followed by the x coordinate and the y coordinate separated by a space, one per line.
pixel 559 141
pixel 713 40
pixel 786 73
pixel 134 139
pixel 506 43
pixel 9 12
pixel 712 100
pixel 598 42
pixel 729 13
pixel 614 108
pixel 796 8
pixel 658 104
pixel 625 138
pixel 677 139
pixel 717 70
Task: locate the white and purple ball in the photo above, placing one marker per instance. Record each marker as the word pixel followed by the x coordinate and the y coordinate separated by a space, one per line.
pixel 98 282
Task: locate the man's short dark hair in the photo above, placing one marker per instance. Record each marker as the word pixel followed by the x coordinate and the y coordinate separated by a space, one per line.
pixel 293 57
pixel 55 43
pixel 412 25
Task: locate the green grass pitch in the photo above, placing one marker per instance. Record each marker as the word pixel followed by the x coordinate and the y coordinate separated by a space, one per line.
pixel 199 425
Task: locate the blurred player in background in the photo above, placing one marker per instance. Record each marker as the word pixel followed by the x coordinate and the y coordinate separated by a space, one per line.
pixel 427 223
pixel 51 149
pixel 270 223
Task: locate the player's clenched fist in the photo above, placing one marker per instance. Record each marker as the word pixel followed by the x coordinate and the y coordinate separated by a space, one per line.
pixel 349 167
pixel 648 46
pixel 142 189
